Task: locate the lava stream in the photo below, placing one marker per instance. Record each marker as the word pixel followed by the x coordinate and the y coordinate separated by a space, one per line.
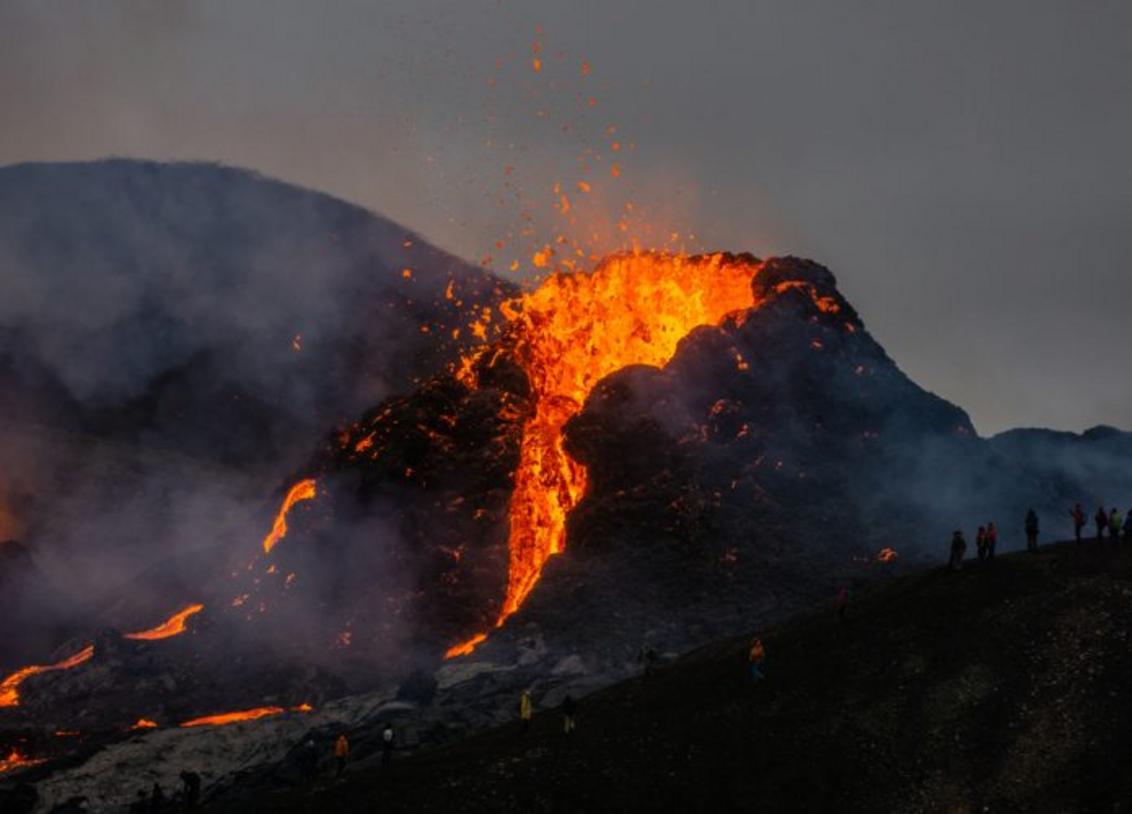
pixel 10 686
pixel 225 718
pixel 173 626
pixel 573 331
pixel 303 490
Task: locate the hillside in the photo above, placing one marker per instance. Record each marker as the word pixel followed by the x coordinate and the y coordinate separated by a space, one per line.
pixel 173 339
pixel 1001 689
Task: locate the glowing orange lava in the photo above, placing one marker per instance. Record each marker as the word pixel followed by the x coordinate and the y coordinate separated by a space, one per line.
pixel 10 686
pixel 144 723
pixel 573 331
pixel 226 718
pixel 15 760
pixel 172 626
pixel 887 555
pixel 303 490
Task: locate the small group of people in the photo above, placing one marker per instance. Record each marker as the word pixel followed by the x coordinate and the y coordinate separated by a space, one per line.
pixel 986 543
pixel 527 709
pixel 1117 524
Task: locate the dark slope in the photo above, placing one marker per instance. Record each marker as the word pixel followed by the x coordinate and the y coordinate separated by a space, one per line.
pixel 1000 689
pixel 174 338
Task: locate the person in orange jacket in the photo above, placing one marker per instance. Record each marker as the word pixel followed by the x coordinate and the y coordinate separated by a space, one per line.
pixel 755 659
pixel 341 752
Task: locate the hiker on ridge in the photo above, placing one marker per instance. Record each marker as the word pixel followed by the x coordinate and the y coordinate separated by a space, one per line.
pixel 1031 530
pixel 992 540
pixel 1115 525
pixel 1078 515
pixel 1101 519
pixel 981 543
pixel 958 550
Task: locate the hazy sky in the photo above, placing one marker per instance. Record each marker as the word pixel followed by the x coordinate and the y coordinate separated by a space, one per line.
pixel 965 168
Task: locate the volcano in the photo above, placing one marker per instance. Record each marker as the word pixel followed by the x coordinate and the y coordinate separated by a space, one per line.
pixel 659 451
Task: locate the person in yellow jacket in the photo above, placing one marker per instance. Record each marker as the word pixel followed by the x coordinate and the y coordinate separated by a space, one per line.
pixel 526 709
pixel 341 752
pixel 1115 525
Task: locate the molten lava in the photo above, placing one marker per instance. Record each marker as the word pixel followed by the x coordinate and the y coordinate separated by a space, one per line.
pixel 303 490
pixel 15 760
pixel 573 331
pixel 10 686
pixel 226 718
pixel 173 626
pixel 144 723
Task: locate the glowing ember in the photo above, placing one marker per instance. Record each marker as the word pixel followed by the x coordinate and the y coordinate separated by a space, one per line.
pixel 574 330
pixel 15 760
pixel 303 490
pixel 144 723
pixel 173 626
pixel 225 718
pixel 887 555
pixel 10 686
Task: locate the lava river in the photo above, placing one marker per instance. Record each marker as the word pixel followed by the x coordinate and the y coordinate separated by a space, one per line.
pixel 573 331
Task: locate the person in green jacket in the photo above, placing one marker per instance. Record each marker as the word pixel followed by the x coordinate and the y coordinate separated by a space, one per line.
pixel 1115 525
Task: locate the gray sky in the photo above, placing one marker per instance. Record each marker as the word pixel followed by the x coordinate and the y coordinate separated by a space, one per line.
pixel 963 167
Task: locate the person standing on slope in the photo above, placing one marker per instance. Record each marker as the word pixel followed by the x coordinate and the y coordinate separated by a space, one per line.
pixel 341 752
pixel 1128 526
pixel 981 543
pixel 1031 530
pixel 526 709
pixel 387 738
pixel 1078 515
pixel 992 540
pixel 1101 519
pixel 569 713
pixel 756 656
pixel 958 550
pixel 1115 525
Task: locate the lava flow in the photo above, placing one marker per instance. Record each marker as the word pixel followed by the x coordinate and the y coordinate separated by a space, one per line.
pixel 574 330
pixel 173 626
pixel 10 686
pixel 225 718
pixel 15 760
pixel 303 490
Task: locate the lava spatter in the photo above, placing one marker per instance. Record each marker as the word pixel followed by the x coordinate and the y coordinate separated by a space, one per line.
pixel 574 330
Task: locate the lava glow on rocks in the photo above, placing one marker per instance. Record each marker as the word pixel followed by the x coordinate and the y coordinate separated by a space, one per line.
pixel 573 331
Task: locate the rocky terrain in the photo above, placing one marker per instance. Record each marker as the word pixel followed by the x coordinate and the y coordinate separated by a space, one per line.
pixel 764 465
pixel 999 688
